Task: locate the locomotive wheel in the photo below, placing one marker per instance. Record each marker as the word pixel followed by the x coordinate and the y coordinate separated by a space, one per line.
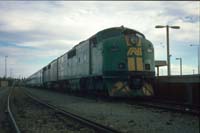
pixel 98 85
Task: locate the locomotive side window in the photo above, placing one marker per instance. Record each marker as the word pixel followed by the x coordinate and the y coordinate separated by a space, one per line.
pixel 44 69
pixel 49 66
pixel 139 35
pixel 93 41
pixel 71 53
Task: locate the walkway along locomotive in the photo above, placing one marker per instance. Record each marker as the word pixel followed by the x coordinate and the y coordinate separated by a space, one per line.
pixel 117 61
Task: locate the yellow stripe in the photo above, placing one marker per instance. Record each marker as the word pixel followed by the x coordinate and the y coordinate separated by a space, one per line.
pixel 131 63
pixel 133 50
pixel 139 64
pixel 139 42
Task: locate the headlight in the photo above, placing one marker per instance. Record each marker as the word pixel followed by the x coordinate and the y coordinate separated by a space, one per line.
pixel 133 39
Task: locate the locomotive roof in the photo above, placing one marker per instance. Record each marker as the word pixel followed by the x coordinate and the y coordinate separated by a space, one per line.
pixel 111 30
pixel 119 29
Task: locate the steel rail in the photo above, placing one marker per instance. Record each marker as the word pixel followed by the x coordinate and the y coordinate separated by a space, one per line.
pixel 160 104
pixel 172 102
pixel 172 107
pixel 92 124
pixel 11 114
pixel 178 106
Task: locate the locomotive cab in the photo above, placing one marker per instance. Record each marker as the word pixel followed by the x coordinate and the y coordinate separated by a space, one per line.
pixel 129 59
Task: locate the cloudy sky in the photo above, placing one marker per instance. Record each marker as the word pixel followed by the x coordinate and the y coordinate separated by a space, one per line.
pixel 34 33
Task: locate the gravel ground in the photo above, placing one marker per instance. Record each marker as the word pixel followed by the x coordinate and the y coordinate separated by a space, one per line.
pixel 124 117
pixel 33 117
pixel 5 126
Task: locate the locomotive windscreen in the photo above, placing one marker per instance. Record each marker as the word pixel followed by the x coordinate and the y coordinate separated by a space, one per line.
pixel 128 31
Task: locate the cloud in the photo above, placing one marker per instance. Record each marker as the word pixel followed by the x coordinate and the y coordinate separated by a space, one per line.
pixel 50 44
pixel 25 61
pixel 43 30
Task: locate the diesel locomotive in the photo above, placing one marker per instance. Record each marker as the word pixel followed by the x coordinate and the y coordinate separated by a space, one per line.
pixel 118 62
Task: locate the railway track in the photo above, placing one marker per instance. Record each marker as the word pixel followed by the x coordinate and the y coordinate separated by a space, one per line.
pixel 10 114
pixel 5 126
pixel 168 106
pixel 157 103
pixel 29 114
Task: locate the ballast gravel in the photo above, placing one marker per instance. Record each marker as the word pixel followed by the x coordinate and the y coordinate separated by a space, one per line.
pixel 32 117
pixel 122 116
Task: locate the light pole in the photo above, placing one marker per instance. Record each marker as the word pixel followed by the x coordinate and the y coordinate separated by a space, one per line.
pixel 10 72
pixel 167 33
pixel 6 66
pixel 193 71
pixel 180 65
pixel 198 54
pixel 169 65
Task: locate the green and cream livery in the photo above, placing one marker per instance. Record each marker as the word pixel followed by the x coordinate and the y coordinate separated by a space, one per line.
pixel 117 61
pixel 133 64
